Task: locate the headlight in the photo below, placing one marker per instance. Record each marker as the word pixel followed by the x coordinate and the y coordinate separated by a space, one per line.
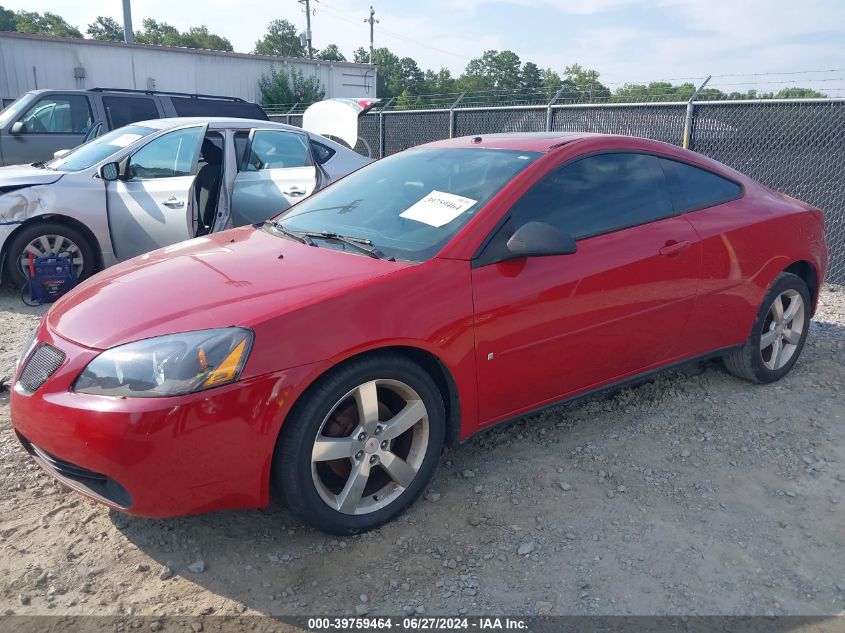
pixel 168 365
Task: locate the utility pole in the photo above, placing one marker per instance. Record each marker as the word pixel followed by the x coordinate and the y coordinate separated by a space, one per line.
pixel 372 20
pixel 128 33
pixel 307 4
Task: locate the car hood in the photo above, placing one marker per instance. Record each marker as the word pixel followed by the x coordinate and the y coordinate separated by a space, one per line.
pixel 26 175
pixel 239 277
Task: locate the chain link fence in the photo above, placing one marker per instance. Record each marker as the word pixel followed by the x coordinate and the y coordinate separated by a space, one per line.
pixel 796 146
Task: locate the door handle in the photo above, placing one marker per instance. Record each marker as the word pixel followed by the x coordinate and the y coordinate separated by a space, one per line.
pixel 173 203
pixel 673 248
pixel 294 191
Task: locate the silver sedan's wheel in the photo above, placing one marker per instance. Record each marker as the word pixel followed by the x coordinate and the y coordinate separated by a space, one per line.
pixel 782 329
pixel 370 447
pixel 52 245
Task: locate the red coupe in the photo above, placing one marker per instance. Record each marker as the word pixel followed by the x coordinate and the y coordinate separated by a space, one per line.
pixel 334 350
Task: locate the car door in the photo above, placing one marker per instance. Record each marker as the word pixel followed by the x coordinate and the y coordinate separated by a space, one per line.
pixel 152 205
pixel 276 171
pixel 55 121
pixel 551 327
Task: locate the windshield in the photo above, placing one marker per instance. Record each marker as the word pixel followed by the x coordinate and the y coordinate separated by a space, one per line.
pixel 100 148
pixel 411 204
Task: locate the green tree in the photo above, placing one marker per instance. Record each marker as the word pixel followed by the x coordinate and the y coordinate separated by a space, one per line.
pixel 158 33
pixel 7 20
pixel 550 78
pixel 798 93
pixel 530 77
pixel 438 83
pixel 44 24
pixel 587 83
pixel 361 55
pixel 200 37
pixel 281 39
pixel 105 28
pixel 164 34
pixel 493 70
pixel 289 87
pixel 331 53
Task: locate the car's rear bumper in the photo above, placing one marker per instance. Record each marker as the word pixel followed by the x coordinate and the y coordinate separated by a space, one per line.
pixel 157 456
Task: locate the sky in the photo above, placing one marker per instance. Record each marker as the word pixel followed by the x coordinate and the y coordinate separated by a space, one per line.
pixel 625 40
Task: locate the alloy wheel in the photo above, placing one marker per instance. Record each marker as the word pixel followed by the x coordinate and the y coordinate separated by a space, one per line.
pixel 52 245
pixel 370 446
pixel 782 329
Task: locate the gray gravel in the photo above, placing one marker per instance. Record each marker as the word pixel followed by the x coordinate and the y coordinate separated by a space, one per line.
pixel 692 493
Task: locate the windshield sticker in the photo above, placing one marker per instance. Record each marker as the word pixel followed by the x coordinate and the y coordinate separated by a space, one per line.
pixel 438 208
pixel 125 139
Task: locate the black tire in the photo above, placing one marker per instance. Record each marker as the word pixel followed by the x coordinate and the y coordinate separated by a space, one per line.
pixel 37 229
pixel 748 361
pixel 292 470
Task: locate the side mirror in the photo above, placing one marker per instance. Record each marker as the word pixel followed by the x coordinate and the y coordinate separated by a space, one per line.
pixel 109 172
pixel 17 128
pixel 60 153
pixel 538 239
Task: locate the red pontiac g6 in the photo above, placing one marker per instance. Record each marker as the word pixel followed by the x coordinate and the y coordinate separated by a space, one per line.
pixel 334 350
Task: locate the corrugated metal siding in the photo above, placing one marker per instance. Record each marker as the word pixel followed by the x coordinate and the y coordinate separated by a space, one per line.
pixel 30 62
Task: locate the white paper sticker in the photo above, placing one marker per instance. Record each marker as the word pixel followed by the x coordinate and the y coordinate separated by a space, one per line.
pixel 438 208
pixel 125 139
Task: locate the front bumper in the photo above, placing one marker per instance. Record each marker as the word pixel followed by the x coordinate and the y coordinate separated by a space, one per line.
pixel 157 457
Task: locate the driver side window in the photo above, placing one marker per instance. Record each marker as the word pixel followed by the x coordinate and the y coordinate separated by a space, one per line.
pixel 68 114
pixel 169 156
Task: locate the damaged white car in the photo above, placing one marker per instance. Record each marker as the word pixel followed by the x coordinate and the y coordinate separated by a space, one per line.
pixel 154 183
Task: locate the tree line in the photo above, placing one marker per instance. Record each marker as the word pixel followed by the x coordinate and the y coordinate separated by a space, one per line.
pixel 495 77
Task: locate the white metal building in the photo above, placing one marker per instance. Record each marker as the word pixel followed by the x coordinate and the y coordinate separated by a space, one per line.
pixel 28 62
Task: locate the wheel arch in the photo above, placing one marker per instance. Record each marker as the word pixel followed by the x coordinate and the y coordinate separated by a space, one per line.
pixel 61 219
pixel 429 362
pixel 808 273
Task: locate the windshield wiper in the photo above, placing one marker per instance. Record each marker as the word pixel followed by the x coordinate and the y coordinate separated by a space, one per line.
pixel 42 164
pixel 362 244
pixel 302 238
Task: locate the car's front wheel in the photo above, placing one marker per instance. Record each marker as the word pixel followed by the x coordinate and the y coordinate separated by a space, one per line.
pixel 48 238
pixel 362 444
pixel 778 334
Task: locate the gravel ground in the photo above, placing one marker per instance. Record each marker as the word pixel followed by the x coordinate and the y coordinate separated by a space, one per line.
pixel 693 493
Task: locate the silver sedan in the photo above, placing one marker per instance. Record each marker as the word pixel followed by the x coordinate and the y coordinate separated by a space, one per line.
pixel 154 183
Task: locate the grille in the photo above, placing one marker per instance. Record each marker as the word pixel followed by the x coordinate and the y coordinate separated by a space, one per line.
pixel 40 365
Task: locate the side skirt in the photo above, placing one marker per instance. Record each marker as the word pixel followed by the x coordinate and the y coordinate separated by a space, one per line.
pixel 609 387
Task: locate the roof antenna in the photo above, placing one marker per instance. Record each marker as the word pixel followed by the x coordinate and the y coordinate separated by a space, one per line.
pixel 476 139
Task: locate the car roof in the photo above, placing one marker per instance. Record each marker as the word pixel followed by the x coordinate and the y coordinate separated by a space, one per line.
pixel 520 141
pixel 214 122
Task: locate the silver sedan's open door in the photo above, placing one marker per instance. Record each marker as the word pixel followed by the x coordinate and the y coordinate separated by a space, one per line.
pixel 275 172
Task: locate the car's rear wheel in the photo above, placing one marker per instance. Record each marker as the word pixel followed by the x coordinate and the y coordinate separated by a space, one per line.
pixel 362 445
pixel 778 334
pixel 48 238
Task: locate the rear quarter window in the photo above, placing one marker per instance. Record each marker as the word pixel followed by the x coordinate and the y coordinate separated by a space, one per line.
pixel 322 153
pixel 693 188
pixel 122 111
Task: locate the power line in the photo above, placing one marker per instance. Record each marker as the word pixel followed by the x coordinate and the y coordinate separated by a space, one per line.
pixel 342 15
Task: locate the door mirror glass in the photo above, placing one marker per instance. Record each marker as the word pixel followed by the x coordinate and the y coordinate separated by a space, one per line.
pixel 538 239
pixel 17 128
pixel 109 172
